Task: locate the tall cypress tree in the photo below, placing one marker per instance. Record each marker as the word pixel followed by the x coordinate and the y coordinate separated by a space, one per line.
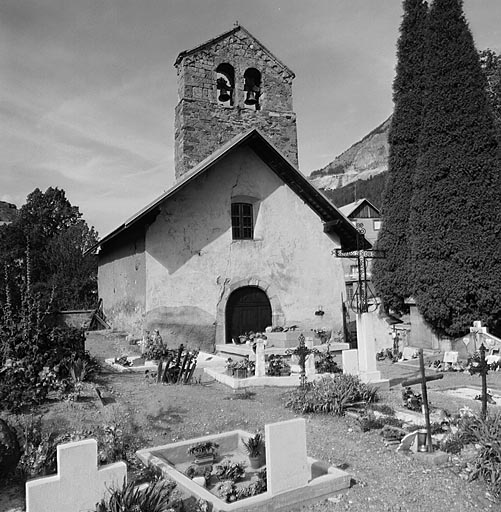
pixel 392 275
pixel 455 220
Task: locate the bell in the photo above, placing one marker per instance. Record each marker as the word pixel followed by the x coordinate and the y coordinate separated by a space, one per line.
pixel 251 98
pixel 224 90
pixel 224 96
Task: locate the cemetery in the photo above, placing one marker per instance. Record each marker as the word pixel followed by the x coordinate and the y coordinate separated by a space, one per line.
pixel 197 396
pixel 396 427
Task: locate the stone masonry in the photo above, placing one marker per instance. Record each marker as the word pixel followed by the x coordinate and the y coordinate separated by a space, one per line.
pixel 202 124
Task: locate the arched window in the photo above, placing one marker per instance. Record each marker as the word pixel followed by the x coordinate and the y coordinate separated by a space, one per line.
pixel 252 88
pixel 225 84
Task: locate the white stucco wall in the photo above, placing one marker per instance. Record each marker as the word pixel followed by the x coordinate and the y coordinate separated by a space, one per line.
pixel 191 260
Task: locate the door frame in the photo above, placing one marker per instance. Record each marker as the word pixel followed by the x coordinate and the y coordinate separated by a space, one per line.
pixel 230 309
pixel 228 286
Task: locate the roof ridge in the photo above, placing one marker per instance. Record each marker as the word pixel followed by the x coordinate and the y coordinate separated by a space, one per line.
pixel 233 30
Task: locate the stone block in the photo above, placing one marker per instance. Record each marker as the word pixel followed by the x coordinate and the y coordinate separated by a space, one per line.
pixel 437 458
pixel 350 361
pixel 286 459
pixel 451 357
pixel 78 485
pixel 409 353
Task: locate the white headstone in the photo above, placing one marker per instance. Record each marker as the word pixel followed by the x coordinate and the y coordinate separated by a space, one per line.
pixel 409 353
pixel 310 365
pixel 350 361
pixel 366 349
pixel 450 357
pixel 260 370
pixel 78 485
pixel 286 463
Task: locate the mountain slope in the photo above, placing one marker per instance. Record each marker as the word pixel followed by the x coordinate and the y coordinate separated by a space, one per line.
pixel 365 159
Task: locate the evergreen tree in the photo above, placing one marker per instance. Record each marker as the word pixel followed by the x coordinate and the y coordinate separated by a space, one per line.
pixel 491 66
pixel 455 212
pixel 392 275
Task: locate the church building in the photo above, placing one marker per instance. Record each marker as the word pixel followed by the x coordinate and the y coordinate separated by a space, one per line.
pixel 242 241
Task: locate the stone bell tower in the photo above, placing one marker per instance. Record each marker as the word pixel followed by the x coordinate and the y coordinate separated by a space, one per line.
pixel 226 86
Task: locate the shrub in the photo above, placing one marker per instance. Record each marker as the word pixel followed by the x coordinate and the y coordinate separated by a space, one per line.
pixel 370 421
pixel 330 394
pixel 324 363
pixel 117 440
pixel 486 433
pixel 155 497
pixel 385 409
pixel 35 358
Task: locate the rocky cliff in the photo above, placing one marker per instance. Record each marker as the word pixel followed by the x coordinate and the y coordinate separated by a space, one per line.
pixel 363 160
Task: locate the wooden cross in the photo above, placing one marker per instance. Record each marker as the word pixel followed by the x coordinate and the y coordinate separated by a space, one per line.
pixel 424 394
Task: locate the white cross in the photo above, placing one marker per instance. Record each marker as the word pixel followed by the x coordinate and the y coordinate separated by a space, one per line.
pixel 78 485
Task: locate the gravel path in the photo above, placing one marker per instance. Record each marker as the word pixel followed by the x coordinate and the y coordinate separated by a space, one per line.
pixel 382 479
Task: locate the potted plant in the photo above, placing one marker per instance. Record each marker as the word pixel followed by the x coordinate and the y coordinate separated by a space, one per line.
pixel 238 369
pixel 254 446
pixel 278 366
pixel 228 470
pixel 205 452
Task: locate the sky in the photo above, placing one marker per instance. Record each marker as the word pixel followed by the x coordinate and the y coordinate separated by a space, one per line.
pixel 88 87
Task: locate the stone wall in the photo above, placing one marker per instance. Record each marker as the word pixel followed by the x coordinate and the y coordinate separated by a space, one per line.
pixel 193 263
pixel 203 125
pixel 122 282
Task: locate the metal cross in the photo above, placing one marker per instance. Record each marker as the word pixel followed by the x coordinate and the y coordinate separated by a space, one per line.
pixel 302 351
pixel 364 292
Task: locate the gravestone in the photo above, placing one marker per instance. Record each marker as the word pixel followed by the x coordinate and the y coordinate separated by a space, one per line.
pixel 409 353
pixel 286 461
pixel 260 369
pixel 310 365
pixel 78 485
pixel 350 361
pixel 451 357
pixel 367 370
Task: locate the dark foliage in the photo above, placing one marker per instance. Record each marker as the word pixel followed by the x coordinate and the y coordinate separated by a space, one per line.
pixel 392 275
pixel 455 211
pixel 35 358
pixel 371 189
pixel 57 238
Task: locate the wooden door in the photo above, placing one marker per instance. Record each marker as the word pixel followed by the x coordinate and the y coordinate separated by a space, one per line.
pixel 248 309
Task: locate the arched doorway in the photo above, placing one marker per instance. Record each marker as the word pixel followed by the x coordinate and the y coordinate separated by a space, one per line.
pixel 248 309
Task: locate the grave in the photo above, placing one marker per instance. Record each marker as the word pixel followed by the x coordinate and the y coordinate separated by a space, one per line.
pixel 451 357
pixel 78 485
pixel 293 479
pixel 472 394
pixel 365 354
pixel 350 361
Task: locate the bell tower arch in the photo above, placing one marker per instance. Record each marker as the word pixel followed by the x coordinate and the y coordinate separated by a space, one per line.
pixel 226 86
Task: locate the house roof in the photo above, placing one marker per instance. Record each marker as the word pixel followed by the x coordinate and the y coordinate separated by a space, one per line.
pixel 237 28
pixel 334 221
pixel 350 208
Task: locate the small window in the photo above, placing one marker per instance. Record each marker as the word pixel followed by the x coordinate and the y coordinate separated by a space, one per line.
pixel 354 271
pixel 377 225
pixel 242 221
